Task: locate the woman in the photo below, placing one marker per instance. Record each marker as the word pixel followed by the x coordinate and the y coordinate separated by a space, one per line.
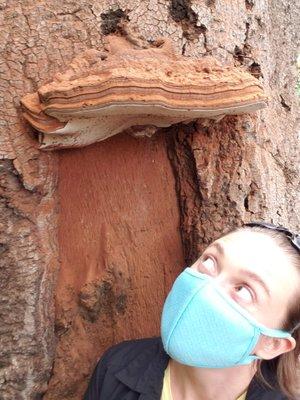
pixel 230 328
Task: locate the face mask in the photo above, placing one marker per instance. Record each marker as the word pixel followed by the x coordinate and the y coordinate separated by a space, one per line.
pixel 202 326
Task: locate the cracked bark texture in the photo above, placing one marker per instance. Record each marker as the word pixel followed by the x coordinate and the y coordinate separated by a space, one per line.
pixel 239 169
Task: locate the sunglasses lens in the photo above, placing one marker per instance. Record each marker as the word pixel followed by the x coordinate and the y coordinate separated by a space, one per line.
pixel 296 241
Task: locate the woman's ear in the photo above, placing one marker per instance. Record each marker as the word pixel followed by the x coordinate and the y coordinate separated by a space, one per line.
pixel 270 347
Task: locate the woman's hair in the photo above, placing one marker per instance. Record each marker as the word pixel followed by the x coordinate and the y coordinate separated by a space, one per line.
pixel 287 365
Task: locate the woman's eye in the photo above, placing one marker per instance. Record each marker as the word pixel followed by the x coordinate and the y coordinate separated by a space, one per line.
pixel 244 293
pixel 209 265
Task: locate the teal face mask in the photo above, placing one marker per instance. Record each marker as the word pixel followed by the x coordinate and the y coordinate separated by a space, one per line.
pixel 202 326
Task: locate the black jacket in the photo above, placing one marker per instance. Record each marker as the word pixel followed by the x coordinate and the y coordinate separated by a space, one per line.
pixel 134 370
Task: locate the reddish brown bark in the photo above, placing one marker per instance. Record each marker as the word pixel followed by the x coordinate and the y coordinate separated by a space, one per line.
pixel 120 250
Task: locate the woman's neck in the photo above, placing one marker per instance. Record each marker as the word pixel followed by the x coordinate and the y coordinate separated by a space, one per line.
pixel 190 383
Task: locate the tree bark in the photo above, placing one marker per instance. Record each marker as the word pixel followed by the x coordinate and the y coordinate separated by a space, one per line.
pixel 92 238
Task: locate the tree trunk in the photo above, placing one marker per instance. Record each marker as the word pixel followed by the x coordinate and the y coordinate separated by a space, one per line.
pixel 92 238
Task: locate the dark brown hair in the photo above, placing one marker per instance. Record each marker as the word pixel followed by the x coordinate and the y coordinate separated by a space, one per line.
pixel 287 365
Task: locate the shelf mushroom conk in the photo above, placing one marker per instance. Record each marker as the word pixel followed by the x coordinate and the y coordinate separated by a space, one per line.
pixel 104 93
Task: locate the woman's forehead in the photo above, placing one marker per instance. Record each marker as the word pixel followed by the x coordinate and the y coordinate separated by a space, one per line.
pixel 248 241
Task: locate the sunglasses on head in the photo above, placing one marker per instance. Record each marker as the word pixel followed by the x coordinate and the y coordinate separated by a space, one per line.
pixel 294 238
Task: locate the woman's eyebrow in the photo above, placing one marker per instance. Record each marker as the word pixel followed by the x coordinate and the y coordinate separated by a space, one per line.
pixel 256 278
pixel 218 247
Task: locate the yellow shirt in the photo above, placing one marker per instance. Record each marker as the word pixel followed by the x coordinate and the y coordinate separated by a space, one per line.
pixel 166 391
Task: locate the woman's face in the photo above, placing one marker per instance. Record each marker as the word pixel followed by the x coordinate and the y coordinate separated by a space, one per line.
pixel 255 273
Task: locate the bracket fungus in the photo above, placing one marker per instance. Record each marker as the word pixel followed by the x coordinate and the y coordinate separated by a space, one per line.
pixel 122 87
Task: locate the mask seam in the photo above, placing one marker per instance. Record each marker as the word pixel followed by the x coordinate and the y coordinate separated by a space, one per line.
pixel 181 314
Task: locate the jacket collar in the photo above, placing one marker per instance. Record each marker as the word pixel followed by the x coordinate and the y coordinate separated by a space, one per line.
pixel 146 377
